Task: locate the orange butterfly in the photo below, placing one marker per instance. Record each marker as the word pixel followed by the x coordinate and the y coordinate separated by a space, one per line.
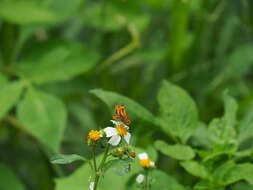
pixel 121 114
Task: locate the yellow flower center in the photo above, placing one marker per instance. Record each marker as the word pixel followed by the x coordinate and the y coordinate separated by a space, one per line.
pixel 121 129
pixel 146 163
pixel 94 135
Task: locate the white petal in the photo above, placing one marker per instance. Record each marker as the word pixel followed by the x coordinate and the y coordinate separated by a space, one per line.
pixel 116 122
pixel 92 185
pixel 127 138
pixel 110 131
pixel 152 164
pixel 126 126
pixel 140 178
pixel 119 123
pixel 114 141
pixel 143 156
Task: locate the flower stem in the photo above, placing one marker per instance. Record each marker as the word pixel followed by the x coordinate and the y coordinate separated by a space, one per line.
pixel 146 184
pixel 98 171
pixel 94 159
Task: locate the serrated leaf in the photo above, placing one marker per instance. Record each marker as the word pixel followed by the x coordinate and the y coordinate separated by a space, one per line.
pixel 134 108
pixel 9 181
pixel 9 95
pixel 44 116
pixel 120 166
pixel 195 169
pixel 66 158
pixel 80 178
pixel 231 107
pixel 179 115
pixel 239 172
pixel 222 130
pixel 246 124
pixel 177 151
pixel 221 171
pixel 59 63
pixel 77 179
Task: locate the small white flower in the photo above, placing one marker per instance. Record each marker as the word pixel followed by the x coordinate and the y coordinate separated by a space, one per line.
pixel 145 161
pixel 140 178
pixel 143 156
pixel 116 123
pixel 92 185
pixel 115 134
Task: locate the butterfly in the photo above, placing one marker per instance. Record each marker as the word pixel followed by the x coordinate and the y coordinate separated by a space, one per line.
pixel 121 114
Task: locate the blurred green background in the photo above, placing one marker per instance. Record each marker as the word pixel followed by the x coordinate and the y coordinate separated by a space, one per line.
pixel 53 52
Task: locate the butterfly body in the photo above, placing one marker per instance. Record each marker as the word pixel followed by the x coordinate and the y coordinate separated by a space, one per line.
pixel 121 114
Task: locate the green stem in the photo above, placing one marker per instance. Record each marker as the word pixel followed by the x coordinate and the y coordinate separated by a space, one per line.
pixel 9 34
pixel 146 184
pixel 135 43
pixel 94 160
pixel 98 172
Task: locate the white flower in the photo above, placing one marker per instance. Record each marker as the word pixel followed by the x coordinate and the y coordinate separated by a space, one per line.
pixel 115 134
pixel 143 156
pixel 92 185
pixel 145 161
pixel 140 178
pixel 116 123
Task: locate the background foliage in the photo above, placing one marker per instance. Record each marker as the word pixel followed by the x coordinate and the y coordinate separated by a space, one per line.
pixel 58 60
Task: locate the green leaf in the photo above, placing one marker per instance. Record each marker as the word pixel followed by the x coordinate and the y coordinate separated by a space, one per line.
pixel 206 184
pixel 200 136
pixel 177 151
pixel 246 124
pixel 59 63
pixel 81 178
pixel 195 169
pixel 240 172
pixel 3 79
pixel 112 98
pixel 117 16
pixel 26 12
pixel 219 151
pixel 44 116
pixel 231 107
pixel 161 180
pixel 179 115
pixel 9 180
pixel 244 153
pixel 9 96
pixel 66 159
pixel 221 171
pixel 222 131
pixel 243 55
pixel 242 186
pixel 66 9
pixel 202 185
pixel 120 166
pixel 37 12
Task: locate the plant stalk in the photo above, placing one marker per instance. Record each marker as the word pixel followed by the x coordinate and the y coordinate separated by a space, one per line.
pixel 98 172
pixel 9 37
pixel 146 184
